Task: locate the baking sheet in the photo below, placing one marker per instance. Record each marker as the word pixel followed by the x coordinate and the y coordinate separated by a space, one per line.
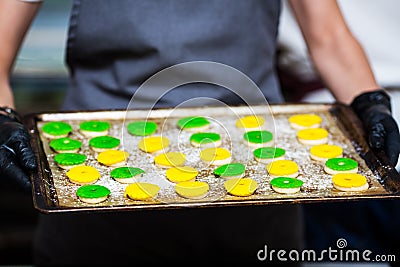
pixel 52 191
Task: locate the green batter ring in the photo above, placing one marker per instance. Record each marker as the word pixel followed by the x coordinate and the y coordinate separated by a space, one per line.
pixel 92 191
pixel 70 159
pixel 125 172
pixel 192 122
pixel 64 144
pixel 142 128
pixel 205 138
pixel 230 170
pixel 258 137
pixel 94 126
pixel 269 152
pixel 104 142
pixel 57 128
pixel 286 182
pixel 341 164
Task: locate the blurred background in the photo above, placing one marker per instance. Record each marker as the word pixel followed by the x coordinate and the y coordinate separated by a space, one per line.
pixel 40 77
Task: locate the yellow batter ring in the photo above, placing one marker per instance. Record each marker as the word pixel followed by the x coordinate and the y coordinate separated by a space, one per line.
pixel 141 191
pixel 216 155
pixel 284 167
pixel 83 175
pixel 241 187
pixel 313 136
pixel 304 121
pixel 324 152
pixel 114 158
pixel 350 182
pixel 181 174
pixel 250 122
pixel 170 159
pixel 153 144
pixel 192 190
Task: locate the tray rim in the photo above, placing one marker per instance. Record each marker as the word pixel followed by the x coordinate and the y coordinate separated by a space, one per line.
pixel 378 162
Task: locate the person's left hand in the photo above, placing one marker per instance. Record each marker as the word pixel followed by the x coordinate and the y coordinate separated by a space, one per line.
pixel 374 110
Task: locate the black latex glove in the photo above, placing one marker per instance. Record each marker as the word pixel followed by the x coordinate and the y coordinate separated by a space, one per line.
pixel 374 110
pixel 16 155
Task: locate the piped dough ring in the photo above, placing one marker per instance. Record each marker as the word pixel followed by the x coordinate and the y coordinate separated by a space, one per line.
pixel 94 128
pixel 205 139
pixel 93 194
pixel 268 154
pixel 181 174
pixel 65 145
pixel 286 185
pixel 141 191
pixel 305 121
pixel 126 175
pixel 258 138
pixel 56 129
pixel 230 170
pixel 340 165
pixel 142 128
pixel 250 123
pixel 216 156
pixel 83 175
pixel 113 158
pixel 194 124
pixel 68 160
pixel 350 182
pixel 287 168
pixel 170 159
pixel 313 136
pixel 192 189
pixel 104 143
pixel 325 151
pixel 241 187
pixel 154 144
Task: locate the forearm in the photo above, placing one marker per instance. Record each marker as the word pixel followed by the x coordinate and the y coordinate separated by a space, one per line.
pixel 336 54
pixel 15 18
pixel 344 67
pixel 6 96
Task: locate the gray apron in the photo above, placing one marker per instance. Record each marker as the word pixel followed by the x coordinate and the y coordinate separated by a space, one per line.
pixel 113 47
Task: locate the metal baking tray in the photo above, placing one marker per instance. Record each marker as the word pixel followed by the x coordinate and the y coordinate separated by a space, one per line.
pixel 52 192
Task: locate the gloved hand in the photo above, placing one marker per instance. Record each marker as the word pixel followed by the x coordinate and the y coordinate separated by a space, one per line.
pixel 16 155
pixel 374 110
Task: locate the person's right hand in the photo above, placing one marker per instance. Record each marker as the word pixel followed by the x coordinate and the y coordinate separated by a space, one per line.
pixel 16 155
